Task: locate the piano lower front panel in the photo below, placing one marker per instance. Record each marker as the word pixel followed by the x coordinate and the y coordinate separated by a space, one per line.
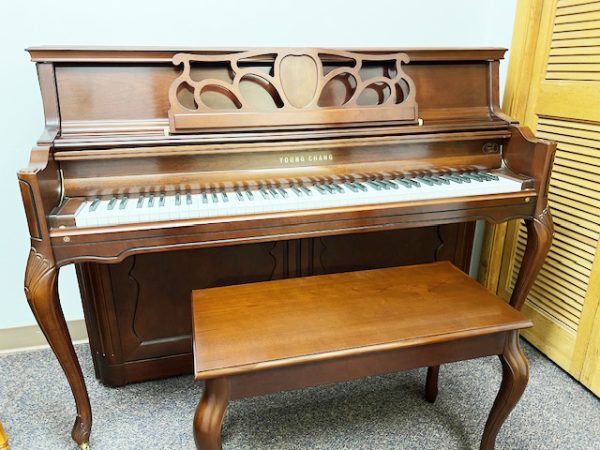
pixel 138 311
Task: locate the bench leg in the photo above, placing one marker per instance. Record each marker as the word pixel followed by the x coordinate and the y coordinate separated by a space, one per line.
pixel 431 385
pixel 515 373
pixel 208 419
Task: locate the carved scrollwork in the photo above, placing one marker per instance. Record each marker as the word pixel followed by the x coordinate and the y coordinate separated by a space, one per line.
pixel 302 87
pixel 39 268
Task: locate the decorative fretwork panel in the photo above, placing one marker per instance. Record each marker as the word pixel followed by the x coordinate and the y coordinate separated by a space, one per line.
pixel 290 88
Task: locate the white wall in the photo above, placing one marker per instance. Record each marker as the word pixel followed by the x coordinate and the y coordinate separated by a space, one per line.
pixel 333 23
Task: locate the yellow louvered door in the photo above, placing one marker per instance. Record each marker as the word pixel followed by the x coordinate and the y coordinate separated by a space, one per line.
pixel 563 105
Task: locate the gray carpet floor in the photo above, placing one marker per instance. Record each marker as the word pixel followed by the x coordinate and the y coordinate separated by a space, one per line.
pixel 386 412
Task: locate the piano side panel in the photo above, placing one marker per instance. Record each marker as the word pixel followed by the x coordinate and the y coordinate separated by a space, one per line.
pixel 138 311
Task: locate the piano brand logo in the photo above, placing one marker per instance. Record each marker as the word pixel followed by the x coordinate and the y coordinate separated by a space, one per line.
pixel 306 158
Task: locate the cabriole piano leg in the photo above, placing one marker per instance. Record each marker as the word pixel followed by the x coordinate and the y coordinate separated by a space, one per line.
pixel 515 373
pixel 539 239
pixel 208 419
pixel 42 293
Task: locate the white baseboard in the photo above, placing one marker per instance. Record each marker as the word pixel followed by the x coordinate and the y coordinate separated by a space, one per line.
pixel 31 337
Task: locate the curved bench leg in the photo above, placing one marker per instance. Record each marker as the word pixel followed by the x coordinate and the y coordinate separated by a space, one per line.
pixel 515 373
pixel 431 385
pixel 208 419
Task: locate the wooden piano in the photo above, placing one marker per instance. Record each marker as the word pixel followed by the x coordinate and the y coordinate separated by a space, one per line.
pixel 147 151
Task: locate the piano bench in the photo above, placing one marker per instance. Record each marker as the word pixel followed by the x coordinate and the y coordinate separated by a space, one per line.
pixel 260 338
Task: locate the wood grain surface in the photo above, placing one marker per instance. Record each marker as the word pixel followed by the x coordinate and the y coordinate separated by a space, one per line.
pixel 270 324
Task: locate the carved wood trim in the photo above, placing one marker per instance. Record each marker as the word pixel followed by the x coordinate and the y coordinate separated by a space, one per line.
pixel 297 81
pixel 38 269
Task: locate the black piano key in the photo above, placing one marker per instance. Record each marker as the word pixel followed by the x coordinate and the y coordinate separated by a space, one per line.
pixel 215 199
pixel 140 202
pixel 150 201
pixel 225 198
pixel 273 192
pixel 350 186
pixel 264 194
pixel 188 199
pixel 161 200
pixel 250 195
pixel 462 177
pixel 425 181
pixel 94 205
pixel 282 191
pixel 390 183
pixel 239 196
pixel 489 176
pixel 374 185
pixel 453 178
pixel 337 187
pixel 382 184
pixel 361 186
pixel 472 177
pixel 123 203
pixel 297 191
pixel 405 183
pixel 440 179
pixel 321 189
pixel 178 199
pixel 112 203
pixel 432 179
pixel 306 190
pixel 328 188
pixel 204 198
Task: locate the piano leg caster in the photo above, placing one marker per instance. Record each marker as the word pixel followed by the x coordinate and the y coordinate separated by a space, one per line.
pixel 431 385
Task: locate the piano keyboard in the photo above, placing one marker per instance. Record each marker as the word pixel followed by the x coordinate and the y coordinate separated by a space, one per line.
pixel 269 199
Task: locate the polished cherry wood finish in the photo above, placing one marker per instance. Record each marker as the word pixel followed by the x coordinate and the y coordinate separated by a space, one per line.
pixel 300 86
pixel 138 311
pixel 107 133
pixel 269 336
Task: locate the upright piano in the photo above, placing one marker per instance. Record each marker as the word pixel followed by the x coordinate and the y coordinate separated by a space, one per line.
pixel 151 152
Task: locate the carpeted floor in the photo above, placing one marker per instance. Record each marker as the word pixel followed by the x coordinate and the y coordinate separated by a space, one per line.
pixel 385 412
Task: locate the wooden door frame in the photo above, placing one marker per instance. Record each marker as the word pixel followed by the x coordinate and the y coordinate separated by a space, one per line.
pixel 499 238
pixel 533 31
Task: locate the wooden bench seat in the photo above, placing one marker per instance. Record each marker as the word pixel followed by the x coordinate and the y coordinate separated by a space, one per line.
pixel 266 337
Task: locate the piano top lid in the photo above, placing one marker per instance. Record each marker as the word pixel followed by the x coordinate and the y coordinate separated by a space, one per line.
pixel 118 54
